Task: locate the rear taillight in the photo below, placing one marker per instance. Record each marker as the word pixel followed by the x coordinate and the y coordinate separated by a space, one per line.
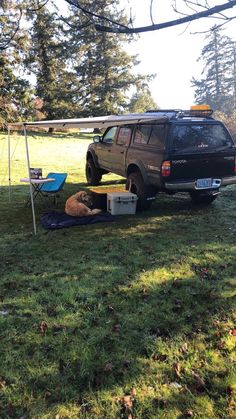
pixel 166 168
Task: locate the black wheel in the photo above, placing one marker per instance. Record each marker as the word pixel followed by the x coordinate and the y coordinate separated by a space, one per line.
pixel 93 174
pixel 201 198
pixel 135 184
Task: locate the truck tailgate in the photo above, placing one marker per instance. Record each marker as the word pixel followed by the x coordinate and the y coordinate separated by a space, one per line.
pixel 184 167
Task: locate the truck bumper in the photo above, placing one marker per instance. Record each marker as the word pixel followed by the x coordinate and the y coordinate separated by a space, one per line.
pixel 182 186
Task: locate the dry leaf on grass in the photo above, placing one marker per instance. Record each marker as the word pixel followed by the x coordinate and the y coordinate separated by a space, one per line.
pixel 188 413
pixel 43 327
pixel 184 348
pixel 177 368
pixel 199 380
pixel 159 357
pixel 116 328
pixel 108 367
pixel 2 384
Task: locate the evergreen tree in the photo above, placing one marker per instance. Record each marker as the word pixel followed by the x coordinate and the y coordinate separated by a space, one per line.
pixel 232 76
pixel 103 68
pixel 142 101
pixel 10 17
pixel 15 92
pixel 216 86
pixel 54 83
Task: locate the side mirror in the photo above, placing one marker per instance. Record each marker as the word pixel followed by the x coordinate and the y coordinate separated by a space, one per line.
pixel 97 139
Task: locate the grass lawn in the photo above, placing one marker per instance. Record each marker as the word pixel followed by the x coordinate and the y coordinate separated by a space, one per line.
pixel 129 319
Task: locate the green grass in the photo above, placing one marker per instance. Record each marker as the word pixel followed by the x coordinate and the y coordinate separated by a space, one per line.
pixel 130 319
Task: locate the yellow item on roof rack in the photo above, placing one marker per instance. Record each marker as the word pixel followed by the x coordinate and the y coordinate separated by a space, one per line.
pixel 201 110
pixel 203 107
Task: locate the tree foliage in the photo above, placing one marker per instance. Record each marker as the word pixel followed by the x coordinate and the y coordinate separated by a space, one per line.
pixel 15 94
pixel 217 85
pixel 45 59
pixel 104 70
pixel 229 121
pixel 142 101
pixel 77 71
pixel 15 91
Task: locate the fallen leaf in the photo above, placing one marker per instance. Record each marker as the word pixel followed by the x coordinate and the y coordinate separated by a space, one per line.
pixel 188 413
pixel 184 348
pixel 230 390
pixel 43 327
pixel 108 367
pixel 2 384
pixel 177 368
pixel 159 357
pixel 233 332
pixel 116 328
pixel 199 380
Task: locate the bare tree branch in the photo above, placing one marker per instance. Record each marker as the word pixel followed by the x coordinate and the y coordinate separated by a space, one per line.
pixel 40 6
pixel 215 26
pixel 151 17
pixel 206 13
pixel 76 4
pixel 73 25
pixel 9 37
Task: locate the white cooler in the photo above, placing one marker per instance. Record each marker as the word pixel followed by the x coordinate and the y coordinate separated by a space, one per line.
pixel 119 203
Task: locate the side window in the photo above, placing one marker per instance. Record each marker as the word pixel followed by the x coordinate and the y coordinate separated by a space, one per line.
pixel 124 136
pixel 142 134
pixel 110 135
pixel 157 137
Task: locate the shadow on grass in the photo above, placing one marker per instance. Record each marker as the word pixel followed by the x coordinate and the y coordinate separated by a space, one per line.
pixel 107 307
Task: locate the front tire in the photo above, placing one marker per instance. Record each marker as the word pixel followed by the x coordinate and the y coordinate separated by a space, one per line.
pixel 201 198
pixel 93 174
pixel 135 184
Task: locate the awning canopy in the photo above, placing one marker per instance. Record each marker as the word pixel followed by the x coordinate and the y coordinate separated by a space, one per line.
pixel 96 122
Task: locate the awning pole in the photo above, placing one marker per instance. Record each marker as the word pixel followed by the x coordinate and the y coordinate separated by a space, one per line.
pixel 30 184
pixel 9 164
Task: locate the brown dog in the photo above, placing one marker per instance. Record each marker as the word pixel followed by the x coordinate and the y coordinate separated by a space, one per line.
pixel 78 205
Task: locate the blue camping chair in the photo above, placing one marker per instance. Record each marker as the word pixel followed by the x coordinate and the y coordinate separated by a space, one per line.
pixel 53 188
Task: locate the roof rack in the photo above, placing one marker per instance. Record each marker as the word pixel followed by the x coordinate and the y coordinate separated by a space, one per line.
pixel 180 113
pixel 163 110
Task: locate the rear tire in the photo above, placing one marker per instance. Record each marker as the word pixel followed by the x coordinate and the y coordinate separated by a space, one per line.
pixel 135 184
pixel 199 198
pixel 93 174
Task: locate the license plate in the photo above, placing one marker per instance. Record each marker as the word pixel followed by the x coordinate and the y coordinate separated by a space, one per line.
pixel 204 183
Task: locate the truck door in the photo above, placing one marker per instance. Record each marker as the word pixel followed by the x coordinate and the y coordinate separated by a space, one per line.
pixel 119 149
pixel 105 148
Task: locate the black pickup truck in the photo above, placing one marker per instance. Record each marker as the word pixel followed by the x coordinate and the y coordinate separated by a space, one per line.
pixel 176 151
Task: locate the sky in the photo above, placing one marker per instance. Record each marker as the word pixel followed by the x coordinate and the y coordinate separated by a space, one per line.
pixel 171 53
